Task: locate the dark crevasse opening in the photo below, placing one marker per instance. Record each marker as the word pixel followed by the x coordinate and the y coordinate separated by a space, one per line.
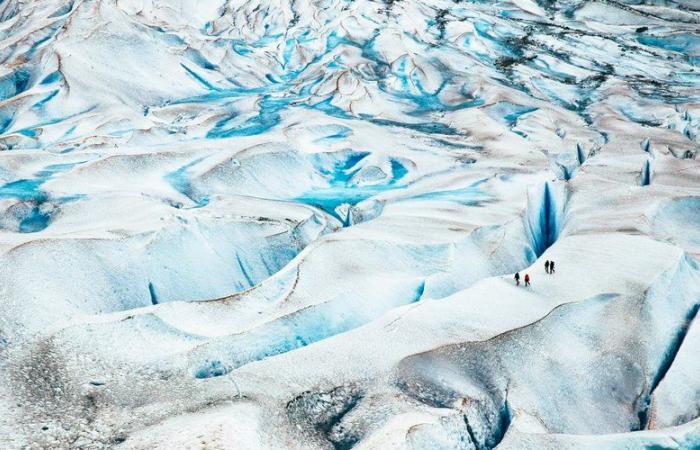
pixel 566 173
pixel 682 154
pixel 565 164
pixel 543 219
pixel 580 155
pixel 645 177
pixel 152 293
pixel 492 437
pixel 505 417
pixel 674 347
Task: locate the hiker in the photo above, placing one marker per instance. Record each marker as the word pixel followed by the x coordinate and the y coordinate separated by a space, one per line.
pixel 517 279
pixel 527 279
pixel 546 266
pixel 551 267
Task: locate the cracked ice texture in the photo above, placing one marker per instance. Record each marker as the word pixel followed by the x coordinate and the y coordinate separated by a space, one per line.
pixel 294 224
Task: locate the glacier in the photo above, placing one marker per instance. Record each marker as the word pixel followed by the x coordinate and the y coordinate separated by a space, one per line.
pixel 269 224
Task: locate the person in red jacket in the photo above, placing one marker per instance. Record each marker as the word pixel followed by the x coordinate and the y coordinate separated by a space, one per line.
pixel 527 279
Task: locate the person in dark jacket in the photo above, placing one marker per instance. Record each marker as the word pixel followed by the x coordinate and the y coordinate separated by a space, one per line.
pixel 517 279
pixel 527 280
pixel 546 266
pixel 551 267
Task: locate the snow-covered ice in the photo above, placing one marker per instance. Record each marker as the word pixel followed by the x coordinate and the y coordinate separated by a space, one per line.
pixel 295 224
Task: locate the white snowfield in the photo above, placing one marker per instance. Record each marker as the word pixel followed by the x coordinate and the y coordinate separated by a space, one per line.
pixel 267 224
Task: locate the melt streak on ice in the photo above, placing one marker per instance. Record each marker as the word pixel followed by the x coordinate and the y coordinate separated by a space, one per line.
pixel 295 224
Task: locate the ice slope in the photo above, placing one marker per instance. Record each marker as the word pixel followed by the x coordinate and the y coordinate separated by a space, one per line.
pixel 275 224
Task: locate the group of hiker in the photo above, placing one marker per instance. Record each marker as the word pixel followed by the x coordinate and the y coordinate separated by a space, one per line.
pixel 548 267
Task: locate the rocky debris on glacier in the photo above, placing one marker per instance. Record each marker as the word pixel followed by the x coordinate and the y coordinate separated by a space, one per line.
pixel 274 224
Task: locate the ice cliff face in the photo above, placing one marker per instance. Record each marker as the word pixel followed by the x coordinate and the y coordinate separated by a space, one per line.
pixel 295 224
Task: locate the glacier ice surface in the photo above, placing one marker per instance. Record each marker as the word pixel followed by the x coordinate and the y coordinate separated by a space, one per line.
pixel 295 224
